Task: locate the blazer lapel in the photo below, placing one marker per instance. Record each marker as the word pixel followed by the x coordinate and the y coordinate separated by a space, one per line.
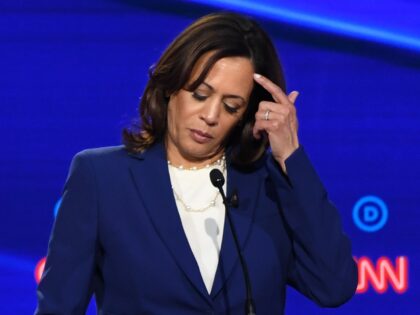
pixel 242 218
pixel 152 179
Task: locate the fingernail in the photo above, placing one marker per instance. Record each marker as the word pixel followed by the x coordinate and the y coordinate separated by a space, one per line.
pixel 257 76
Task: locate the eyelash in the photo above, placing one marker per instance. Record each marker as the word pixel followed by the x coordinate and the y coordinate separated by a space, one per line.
pixel 201 98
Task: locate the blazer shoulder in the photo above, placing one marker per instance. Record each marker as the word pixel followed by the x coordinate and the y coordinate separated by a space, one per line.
pixel 103 159
pixel 103 153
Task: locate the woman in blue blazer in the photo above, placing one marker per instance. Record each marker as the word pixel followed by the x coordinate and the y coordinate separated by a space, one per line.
pixel 141 226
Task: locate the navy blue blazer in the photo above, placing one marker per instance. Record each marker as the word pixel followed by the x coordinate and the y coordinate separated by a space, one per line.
pixel 118 236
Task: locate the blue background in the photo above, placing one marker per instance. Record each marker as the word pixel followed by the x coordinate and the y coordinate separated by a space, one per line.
pixel 72 72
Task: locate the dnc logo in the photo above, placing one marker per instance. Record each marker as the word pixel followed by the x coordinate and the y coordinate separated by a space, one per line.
pixel 370 214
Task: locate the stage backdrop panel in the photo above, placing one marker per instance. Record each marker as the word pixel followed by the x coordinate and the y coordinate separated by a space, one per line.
pixel 71 76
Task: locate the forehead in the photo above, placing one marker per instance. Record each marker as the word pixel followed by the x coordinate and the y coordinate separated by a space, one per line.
pixel 232 73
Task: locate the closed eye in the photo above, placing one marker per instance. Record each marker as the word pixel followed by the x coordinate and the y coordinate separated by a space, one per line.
pixel 230 109
pixel 199 97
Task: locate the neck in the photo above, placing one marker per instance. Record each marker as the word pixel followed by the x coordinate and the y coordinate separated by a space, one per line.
pixel 176 159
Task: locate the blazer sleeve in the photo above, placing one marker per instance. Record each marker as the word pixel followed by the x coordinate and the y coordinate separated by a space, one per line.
pixel 321 265
pixel 67 280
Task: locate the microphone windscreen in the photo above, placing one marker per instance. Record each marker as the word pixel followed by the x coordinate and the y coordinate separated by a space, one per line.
pixel 217 178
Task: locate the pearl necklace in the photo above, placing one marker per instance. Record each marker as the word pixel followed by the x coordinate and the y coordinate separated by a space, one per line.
pixel 220 162
pixel 190 209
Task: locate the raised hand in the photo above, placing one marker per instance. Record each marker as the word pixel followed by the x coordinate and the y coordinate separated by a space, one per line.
pixel 278 119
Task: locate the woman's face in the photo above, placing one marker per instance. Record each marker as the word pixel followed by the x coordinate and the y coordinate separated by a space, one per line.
pixel 200 120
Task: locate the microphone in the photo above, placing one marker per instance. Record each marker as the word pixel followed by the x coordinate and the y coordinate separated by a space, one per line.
pixel 218 180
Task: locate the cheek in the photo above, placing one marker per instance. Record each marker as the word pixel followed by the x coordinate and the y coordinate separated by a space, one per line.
pixel 171 121
pixel 178 109
pixel 177 116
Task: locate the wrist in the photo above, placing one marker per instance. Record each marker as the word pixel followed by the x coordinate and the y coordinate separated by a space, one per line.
pixel 281 160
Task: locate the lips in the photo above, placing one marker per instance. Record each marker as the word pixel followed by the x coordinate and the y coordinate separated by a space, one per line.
pixel 200 136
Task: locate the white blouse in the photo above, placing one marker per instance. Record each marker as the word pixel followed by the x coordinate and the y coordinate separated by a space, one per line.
pixel 202 213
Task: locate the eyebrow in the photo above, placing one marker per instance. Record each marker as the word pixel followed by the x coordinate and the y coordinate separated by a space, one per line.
pixel 226 95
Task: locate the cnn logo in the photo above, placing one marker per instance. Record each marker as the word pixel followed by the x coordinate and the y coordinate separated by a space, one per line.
pixel 383 274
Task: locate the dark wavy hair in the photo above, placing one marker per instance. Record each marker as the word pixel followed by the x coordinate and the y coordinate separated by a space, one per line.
pixel 225 34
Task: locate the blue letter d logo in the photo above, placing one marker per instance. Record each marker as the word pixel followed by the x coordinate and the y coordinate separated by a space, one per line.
pixel 370 214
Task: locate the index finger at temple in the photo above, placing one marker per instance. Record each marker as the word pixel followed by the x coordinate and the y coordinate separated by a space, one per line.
pixel 275 91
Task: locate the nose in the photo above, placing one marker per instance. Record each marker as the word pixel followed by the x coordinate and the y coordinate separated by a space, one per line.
pixel 211 112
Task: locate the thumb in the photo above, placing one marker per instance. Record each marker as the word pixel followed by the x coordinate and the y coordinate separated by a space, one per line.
pixel 293 96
